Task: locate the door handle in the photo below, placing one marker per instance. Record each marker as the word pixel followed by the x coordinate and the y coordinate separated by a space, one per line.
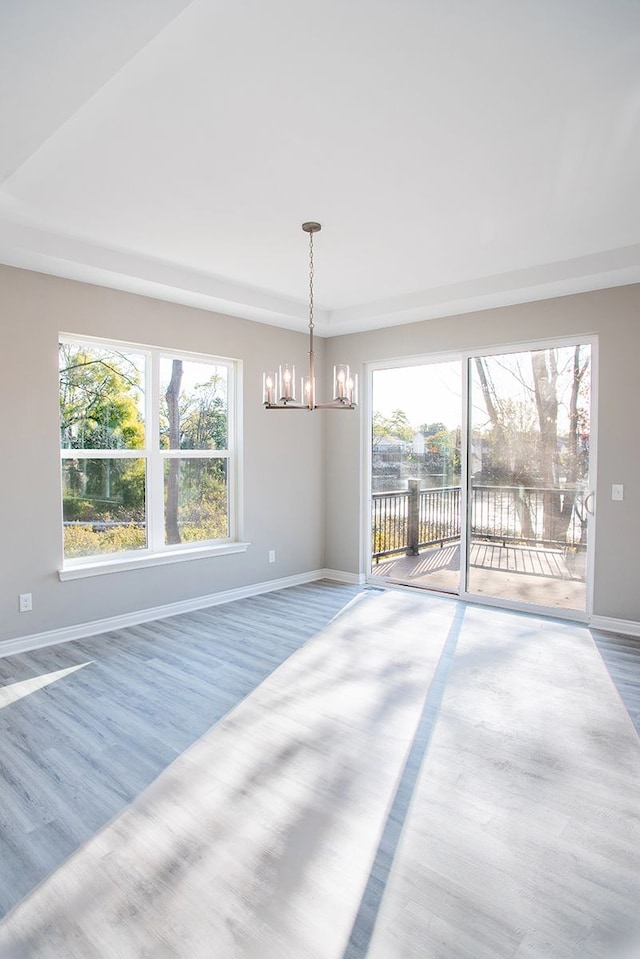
pixel 588 501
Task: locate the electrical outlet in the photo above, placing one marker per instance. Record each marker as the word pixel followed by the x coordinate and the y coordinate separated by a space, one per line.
pixel 617 491
pixel 272 555
pixel 26 603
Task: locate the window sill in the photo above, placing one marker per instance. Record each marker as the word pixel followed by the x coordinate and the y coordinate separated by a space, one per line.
pixel 99 568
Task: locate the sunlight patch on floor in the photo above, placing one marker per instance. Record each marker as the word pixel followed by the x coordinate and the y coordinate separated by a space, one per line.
pixel 24 687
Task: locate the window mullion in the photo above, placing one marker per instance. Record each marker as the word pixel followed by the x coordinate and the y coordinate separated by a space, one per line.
pixel 155 477
pixel 69 453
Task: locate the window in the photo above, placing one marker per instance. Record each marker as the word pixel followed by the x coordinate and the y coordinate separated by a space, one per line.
pixel 147 449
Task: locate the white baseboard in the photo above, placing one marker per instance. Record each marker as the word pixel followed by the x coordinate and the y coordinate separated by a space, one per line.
pixel 340 576
pixel 53 636
pixel 610 625
pixel 23 644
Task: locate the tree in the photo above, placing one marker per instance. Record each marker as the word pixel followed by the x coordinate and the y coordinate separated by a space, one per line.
pixel 100 409
pixel 575 463
pixel 431 429
pixel 99 400
pixel 194 418
pixel 204 416
pixel 395 425
pixel 381 425
pixel 401 426
pixel 526 448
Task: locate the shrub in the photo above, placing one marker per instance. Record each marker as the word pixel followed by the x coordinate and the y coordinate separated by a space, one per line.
pixel 88 541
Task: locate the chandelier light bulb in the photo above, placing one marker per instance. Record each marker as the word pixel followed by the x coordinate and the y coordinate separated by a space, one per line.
pixel 269 388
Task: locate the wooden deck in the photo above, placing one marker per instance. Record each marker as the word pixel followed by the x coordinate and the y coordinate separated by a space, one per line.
pixel 526 574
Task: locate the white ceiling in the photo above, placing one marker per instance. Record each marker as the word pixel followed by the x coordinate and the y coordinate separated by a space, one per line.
pixel 458 154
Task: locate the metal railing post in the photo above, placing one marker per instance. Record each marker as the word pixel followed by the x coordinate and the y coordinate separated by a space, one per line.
pixel 406 521
pixel 413 517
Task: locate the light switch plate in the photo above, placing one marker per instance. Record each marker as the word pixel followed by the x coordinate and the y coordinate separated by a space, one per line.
pixel 617 491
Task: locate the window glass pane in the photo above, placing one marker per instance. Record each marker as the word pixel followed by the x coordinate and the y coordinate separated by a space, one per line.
pixel 101 398
pixel 415 474
pixel 103 506
pixel 529 475
pixel 193 405
pixel 196 500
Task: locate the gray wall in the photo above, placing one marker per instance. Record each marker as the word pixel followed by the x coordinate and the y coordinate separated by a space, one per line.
pixel 283 455
pixel 297 500
pixel 615 316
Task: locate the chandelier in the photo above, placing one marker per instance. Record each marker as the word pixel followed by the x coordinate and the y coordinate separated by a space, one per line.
pixel 279 391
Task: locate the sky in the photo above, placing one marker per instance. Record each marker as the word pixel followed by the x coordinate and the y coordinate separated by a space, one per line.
pixel 432 392
pixel 428 393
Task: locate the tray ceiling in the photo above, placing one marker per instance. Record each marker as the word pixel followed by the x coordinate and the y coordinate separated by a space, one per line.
pixel 458 155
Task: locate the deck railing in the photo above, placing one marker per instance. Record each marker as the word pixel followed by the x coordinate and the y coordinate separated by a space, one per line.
pixel 406 521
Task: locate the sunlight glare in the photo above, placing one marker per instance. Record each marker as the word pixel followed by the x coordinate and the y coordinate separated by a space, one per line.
pixel 24 687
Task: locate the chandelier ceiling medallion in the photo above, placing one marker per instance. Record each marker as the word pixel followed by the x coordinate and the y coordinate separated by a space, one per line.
pixel 279 391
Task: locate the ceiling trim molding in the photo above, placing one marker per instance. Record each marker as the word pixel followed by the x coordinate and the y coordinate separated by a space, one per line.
pixel 595 271
pixel 30 247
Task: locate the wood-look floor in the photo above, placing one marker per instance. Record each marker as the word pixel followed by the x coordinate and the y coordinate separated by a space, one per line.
pixel 621 655
pixel 323 773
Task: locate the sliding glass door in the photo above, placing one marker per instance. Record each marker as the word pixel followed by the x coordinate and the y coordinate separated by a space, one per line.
pixel 480 475
pixel 416 469
pixel 529 434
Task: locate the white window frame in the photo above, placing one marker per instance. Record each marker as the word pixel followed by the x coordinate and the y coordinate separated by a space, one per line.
pixel 156 552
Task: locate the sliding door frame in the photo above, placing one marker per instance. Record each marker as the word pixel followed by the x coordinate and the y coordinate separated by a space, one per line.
pixel 428 359
pixel 465 358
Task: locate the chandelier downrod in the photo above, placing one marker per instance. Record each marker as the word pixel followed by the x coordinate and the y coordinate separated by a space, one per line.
pixel 279 392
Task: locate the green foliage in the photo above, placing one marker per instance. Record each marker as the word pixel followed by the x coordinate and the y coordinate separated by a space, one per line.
pixel 381 425
pixel 202 417
pixel 87 541
pixel 395 425
pixel 100 399
pixel 209 521
pixel 431 429
pixel 133 484
pixel 203 512
pixel 81 509
pixel 204 421
pixel 389 535
pixel 101 488
pixel 102 408
pixel 74 508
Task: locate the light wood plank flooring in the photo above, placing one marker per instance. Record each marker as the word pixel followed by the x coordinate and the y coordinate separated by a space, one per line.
pixel 621 655
pixel 323 773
